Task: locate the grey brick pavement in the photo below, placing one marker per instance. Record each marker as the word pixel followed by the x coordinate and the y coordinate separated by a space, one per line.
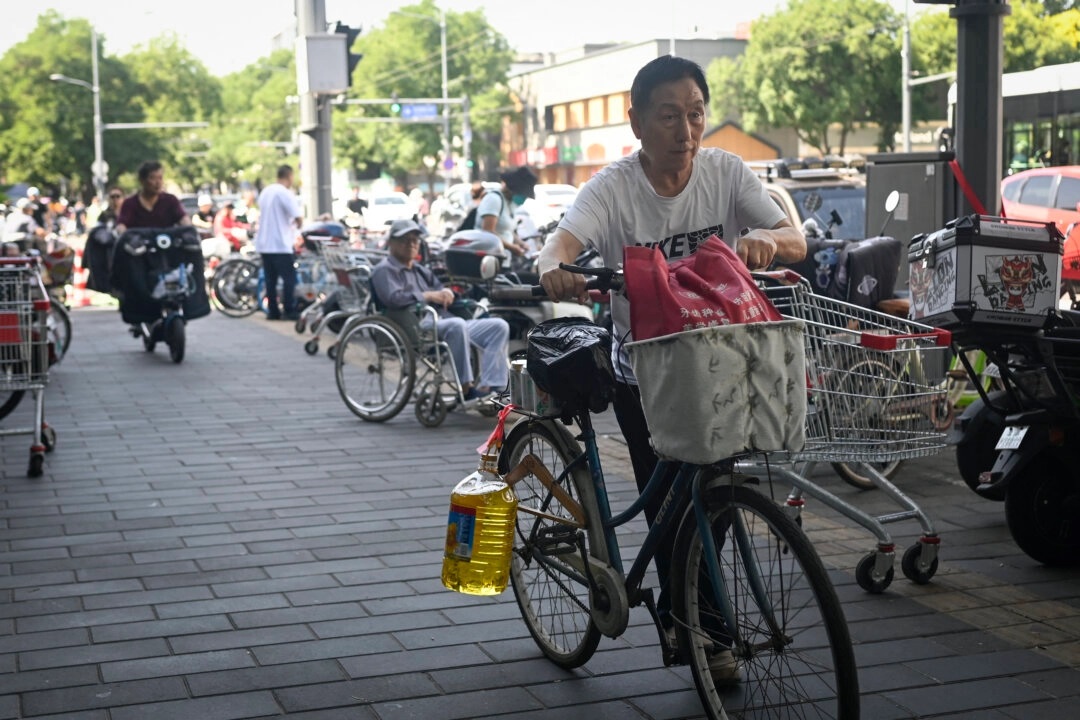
pixel 223 540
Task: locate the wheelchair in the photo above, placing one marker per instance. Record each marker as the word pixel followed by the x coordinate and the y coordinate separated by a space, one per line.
pixel 383 360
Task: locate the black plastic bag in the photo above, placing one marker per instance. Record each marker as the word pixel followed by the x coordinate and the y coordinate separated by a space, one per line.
pixel 570 358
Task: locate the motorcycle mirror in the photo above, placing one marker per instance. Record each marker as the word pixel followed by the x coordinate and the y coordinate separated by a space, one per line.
pixel 892 201
pixel 489 267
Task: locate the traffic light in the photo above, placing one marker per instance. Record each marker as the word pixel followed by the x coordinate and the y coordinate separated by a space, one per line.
pixel 395 106
pixel 351 58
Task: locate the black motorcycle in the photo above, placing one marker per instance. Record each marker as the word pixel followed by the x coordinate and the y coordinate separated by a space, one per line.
pixel 1021 445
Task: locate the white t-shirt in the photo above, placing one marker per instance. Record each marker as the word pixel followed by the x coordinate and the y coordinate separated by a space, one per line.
pixel 495 203
pixel 619 207
pixel 278 209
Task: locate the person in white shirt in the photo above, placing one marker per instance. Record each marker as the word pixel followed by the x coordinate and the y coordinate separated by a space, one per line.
pixel 279 221
pixel 495 213
pixel 671 194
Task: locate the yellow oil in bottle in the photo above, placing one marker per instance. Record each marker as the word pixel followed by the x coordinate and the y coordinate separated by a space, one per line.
pixel 480 533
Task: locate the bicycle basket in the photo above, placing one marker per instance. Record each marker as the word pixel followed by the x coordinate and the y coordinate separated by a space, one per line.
pixel 570 359
pixel 715 392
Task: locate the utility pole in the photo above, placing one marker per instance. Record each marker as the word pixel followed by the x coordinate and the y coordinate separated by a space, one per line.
pixel 316 156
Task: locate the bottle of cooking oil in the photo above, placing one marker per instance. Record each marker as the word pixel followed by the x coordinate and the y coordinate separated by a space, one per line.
pixel 480 532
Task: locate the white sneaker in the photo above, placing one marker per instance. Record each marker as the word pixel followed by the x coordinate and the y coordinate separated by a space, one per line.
pixel 724 669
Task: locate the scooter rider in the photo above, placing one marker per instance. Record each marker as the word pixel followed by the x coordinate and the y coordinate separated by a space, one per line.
pixel 151 207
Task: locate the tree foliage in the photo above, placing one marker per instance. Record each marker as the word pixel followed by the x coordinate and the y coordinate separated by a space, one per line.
pixel 812 66
pixel 1033 36
pixel 404 59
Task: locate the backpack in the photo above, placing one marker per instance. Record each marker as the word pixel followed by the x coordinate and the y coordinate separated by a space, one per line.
pixel 469 223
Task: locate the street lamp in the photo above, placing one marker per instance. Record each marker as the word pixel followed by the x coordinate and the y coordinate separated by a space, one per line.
pixel 445 95
pixel 100 169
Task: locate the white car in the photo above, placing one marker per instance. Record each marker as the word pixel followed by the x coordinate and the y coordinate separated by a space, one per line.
pixel 385 208
pixel 551 202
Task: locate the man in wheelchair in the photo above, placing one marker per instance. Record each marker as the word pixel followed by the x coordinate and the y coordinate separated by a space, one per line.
pixel 400 283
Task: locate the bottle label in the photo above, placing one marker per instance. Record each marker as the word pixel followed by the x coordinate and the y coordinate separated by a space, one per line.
pixel 459 532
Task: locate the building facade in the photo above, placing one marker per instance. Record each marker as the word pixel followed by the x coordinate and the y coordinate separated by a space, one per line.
pixel 573 106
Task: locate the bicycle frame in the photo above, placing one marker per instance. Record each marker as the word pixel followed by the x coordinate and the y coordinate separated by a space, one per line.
pixel 687 489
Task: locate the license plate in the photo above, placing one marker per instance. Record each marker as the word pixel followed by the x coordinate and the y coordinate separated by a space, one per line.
pixel 1010 438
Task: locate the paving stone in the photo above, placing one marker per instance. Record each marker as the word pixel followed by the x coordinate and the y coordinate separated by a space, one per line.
pixel 965 696
pixel 222 707
pixel 102 695
pixel 265 678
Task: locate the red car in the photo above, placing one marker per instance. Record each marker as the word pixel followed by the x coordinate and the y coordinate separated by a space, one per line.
pixel 1050 194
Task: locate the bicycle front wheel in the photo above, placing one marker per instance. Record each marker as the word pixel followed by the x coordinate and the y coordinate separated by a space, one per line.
pixel 547 571
pixel 790 639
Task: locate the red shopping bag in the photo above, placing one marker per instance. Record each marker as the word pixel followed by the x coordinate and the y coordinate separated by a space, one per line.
pixel 711 287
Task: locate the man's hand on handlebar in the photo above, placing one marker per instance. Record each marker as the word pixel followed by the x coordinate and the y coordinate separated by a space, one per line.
pixel 757 249
pixel 563 285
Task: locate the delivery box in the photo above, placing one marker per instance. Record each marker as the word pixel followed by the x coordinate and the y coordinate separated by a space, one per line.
pixel 981 270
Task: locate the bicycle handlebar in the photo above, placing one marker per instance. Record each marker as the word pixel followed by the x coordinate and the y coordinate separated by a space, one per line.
pixel 603 280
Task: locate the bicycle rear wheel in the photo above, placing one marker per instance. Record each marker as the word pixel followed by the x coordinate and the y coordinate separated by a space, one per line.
pixel 790 637
pixel 235 287
pixel 374 368
pixel 548 574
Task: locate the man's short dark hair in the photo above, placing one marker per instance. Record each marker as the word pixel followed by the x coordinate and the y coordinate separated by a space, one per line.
pixel 150 166
pixel 665 69
pixel 284 171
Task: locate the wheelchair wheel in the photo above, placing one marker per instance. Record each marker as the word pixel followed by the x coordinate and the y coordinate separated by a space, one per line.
pixel 374 369
pixel 430 407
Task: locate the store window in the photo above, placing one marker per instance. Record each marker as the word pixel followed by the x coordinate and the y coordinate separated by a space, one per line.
pixel 616 108
pixel 596 112
pixel 575 117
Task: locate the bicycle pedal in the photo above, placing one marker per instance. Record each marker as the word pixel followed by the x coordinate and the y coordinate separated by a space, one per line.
pixel 557 540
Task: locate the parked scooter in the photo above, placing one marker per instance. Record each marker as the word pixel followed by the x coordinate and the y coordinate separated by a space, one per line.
pixel 499 290
pixel 1027 438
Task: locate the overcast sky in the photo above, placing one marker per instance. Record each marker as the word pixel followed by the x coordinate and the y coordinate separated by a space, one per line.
pixel 227 35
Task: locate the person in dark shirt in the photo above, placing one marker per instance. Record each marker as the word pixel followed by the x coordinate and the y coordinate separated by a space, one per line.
pixel 109 215
pixel 151 207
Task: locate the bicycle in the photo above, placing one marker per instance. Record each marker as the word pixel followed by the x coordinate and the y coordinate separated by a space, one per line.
pixel 744 577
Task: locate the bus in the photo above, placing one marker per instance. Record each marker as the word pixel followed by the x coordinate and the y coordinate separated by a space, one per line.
pixel 1040 117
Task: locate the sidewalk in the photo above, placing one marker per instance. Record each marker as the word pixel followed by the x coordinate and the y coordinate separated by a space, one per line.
pixel 222 539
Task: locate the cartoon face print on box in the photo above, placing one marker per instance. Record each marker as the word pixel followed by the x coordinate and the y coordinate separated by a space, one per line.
pixel 1014 283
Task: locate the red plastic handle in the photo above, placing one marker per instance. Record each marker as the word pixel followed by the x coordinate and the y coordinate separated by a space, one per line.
pixel 942 338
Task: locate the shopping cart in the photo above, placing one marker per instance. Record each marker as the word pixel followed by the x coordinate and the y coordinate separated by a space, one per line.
pixel 350 272
pixel 873 382
pixel 24 348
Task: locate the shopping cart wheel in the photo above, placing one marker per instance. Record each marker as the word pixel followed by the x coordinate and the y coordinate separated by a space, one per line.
pixel 37 464
pixel 868 579
pixel 48 438
pixel 911 561
pixel 311 347
pixel 331 352
pixel 301 325
pixel 430 407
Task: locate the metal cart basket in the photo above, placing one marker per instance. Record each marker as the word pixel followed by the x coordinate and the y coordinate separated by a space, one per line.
pixel 874 383
pixel 25 354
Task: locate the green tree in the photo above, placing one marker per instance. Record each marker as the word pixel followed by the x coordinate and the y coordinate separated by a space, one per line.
pixel 1032 37
pixel 46 128
pixel 403 58
pixel 174 86
pixel 253 132
pixel 815 66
